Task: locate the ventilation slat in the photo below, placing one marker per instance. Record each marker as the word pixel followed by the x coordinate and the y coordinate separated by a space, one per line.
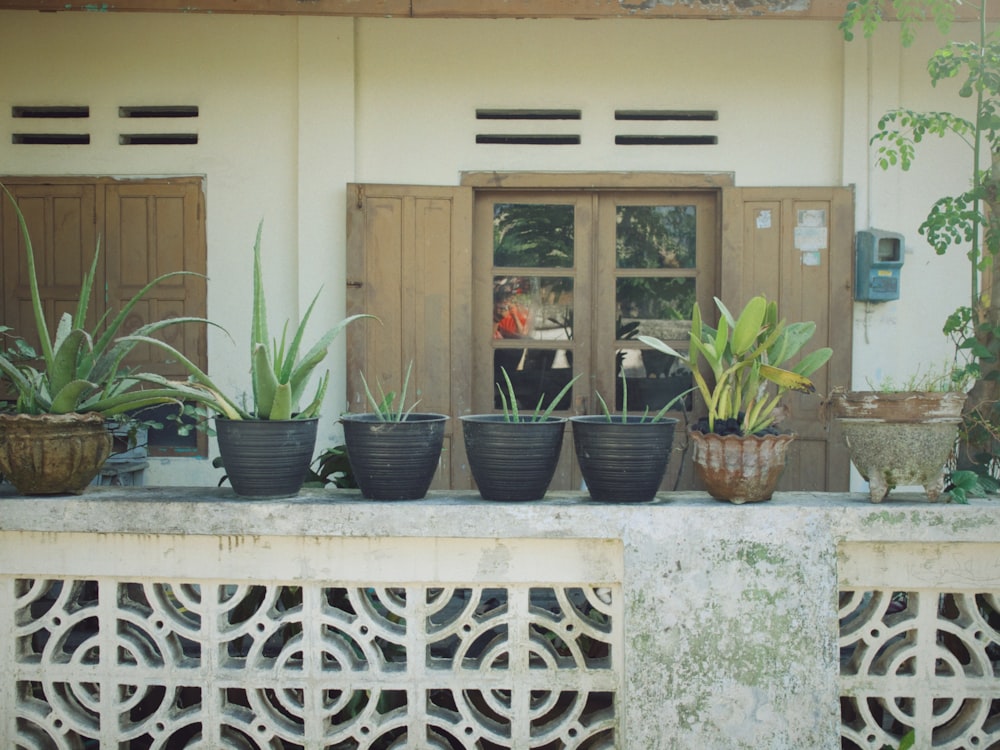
pixel 51 139
pixel 667 115
pixel 538 139
pixel 528 114
pixel 666 140
pixel 158 111
pixel 59 112
pixel 158 139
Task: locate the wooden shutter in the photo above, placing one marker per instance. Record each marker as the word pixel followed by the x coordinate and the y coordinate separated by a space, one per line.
pixel 796 245
pixel 61 221
pixel 409 263
pixel 152 228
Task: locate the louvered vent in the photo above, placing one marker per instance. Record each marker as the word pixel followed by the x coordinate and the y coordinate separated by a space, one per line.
pixel 533 134
pixel 162 136
pixel 28 136
pixel 682 127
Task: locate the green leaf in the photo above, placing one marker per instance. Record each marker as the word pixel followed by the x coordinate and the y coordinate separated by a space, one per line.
pixel 748 326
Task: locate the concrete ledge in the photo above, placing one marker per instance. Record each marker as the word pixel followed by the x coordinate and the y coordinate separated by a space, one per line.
pixel 730 613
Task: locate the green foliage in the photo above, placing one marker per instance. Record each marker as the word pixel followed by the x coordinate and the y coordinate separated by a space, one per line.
pixel 744 356
pixel 331 467
pixel 81 370
pixel 279 370
pixel 384 406
pixel 541 412
pixel 645 417
pixel 869 13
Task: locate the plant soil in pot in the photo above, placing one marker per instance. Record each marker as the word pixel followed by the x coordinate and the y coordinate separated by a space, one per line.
pixel 510 460
pixel 394 460
pixel 900 438
pixel 266 458
pixel 737 468
pixel 622 460
pixel 52 454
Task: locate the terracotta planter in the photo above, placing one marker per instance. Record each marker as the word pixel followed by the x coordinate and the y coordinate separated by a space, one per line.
pixel 394 460
pixel 266 458
pixel 512 460
pixel 52 454
pixel 622 462
pixel 737 468
pixel 900 438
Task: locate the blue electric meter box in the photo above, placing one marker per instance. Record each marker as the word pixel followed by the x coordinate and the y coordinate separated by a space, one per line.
pixel 878 258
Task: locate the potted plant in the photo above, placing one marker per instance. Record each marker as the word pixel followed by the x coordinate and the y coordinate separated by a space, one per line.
pixel 902 434
pixel 967 220
pixel 267 446
pixel 53 437
pixel 624 457
pixel 737 452
pixel 393 450
pixel 513 455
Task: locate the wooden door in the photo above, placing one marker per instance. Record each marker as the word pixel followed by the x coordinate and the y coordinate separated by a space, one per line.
pixel 796 245
pixel 62 225
pixel 152 228
pixel 408 263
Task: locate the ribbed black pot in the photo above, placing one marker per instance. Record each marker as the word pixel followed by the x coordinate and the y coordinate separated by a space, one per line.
pixel 512 460
pixel 622 461
pixel 266 458
pixel 394 460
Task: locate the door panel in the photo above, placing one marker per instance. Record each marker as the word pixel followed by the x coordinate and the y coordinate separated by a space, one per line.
pixel 796 246
pixel 408 263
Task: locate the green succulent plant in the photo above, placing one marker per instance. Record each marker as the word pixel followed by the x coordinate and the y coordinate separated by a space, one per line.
pixel 745 355
pixel 280 370
pixel 80 369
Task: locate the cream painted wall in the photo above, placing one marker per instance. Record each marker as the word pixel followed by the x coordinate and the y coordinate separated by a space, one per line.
pixel 293 109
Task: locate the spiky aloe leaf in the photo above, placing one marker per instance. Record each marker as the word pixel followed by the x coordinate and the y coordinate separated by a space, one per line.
pixel 67 399
pixel 281 407
pixel 36 300
pixel 67 353
pixel 221 403
pixel 265 383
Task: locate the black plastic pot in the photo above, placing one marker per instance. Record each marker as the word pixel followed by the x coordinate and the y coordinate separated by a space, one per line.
pixel 266 458
pixel 394 460
pixel 512 461
pixel 622 461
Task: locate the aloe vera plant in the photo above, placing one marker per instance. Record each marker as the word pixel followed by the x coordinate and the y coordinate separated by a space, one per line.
pixel 745 355
pixel 80 370
pixel 280 368
pixel 541 412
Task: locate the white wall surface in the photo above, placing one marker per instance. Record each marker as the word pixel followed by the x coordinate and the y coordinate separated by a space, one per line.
pixel 293 109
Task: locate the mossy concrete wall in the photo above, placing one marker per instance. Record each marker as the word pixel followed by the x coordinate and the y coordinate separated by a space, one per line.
pixel 730 613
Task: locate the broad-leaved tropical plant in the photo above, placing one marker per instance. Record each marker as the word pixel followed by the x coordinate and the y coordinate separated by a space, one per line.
pixel 80 369
pixel 280 369
pixel 745 355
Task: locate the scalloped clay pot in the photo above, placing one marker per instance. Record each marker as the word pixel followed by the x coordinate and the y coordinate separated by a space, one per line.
pixel 901 438
pixel 52 454
pixel 737 468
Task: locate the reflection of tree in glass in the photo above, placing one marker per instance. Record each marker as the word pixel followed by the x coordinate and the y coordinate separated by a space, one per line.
pixel 532 235
pixel 655 236
pixel 656 299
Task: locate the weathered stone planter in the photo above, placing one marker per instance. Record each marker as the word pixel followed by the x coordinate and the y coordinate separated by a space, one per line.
pixel 52 454
pixel 900 438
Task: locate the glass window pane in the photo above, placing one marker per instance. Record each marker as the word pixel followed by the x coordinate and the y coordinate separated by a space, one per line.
pixel 535 374
pixel 655 236
pixel 533 307
pixel 653 380
pixel 658 307
pixel 532 235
